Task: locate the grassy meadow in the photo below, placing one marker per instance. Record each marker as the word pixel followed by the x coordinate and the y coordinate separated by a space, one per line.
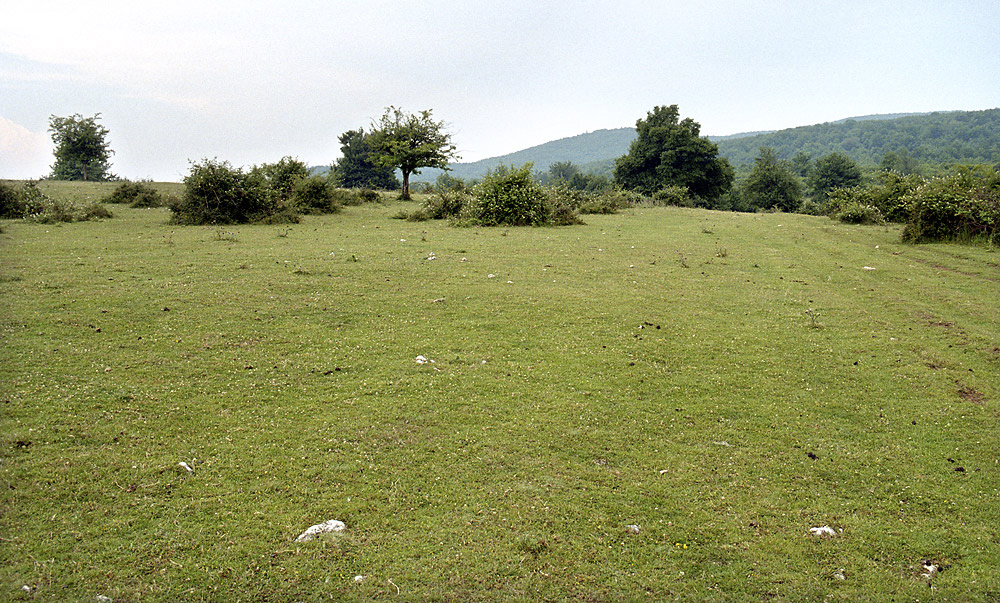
pixel 657 405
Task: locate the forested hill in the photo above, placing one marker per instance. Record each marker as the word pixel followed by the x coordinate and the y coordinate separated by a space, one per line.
pixel 946 137
pixel 937 138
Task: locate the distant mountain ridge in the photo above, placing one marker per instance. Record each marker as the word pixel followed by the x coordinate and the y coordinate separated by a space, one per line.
pixel 956 136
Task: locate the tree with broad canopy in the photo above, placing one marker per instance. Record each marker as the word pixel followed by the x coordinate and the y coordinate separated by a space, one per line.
pixel 669 151
pixel 82 150
pixel 408 142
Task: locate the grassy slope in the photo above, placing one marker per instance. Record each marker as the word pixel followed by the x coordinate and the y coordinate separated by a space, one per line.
pixel 283 371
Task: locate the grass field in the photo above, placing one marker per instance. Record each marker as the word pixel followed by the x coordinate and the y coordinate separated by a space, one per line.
pixel 720 382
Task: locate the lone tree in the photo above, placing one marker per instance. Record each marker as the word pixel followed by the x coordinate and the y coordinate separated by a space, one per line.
pixel 357 169
pixel 82 150
pixel 671 152
pixel 835 170
pixel 772 184
pixel 408 142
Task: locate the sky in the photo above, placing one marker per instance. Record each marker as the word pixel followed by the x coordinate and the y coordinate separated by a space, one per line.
pixel 253 81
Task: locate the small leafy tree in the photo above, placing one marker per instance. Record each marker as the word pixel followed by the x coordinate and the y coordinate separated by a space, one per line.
pixel 408 142
pixel 835 170
pixel 562 172
pixel 82 151
pixel 771 184
pixel 357 167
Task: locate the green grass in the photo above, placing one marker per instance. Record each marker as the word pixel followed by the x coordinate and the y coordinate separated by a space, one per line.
pixel 725 382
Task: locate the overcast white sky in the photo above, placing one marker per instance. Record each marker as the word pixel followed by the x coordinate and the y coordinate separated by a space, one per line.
pixel 251 81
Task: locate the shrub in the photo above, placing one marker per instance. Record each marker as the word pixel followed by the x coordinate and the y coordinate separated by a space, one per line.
pixel 445 182
pixel 135 194
pixel 509 197
pixel 11 201
pixel 564 194
pixel 561 214
pixel 609 201
pixel 964 206
pixel 96 211
pixel 368 195
pixel 315 196
pixel 280 177
pixel 854 212
pixel 890 197
pixel 447 204
pixel 673 196
pixel 217 193
pixel 812 208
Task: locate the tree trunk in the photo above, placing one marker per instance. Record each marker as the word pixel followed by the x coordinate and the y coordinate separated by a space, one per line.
pixel 406 186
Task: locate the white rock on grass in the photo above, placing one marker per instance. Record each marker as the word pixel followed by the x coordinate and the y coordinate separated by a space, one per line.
pixel 326 529
pixel 822 531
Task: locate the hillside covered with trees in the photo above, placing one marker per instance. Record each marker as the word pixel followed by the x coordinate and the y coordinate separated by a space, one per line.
pixel 935 138
pixel 942 138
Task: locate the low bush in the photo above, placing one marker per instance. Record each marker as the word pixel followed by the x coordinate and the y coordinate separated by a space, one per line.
pixel 136 194
pixel 356 196
pixel 561 214
pixel 677 196
pixel 609 201
pixel 889 198
pixel 854 212
pixel 509 196
pixel 563 194
pixel 11 201
pixel 315 195
pixel 217 193
pixel 964 206
pixel 27 202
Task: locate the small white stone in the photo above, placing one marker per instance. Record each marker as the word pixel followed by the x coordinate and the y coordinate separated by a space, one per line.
pixel 330 527
pixel 632 528
pixel 822 531
pixel 185 466
pixel 103 599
